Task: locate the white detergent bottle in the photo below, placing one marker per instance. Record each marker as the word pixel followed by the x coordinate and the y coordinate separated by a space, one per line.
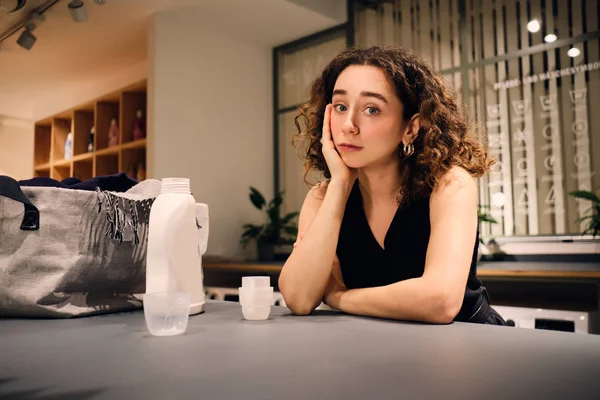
pixel 177 238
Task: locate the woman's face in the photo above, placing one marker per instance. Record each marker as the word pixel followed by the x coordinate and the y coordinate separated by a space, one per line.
pixel 366 119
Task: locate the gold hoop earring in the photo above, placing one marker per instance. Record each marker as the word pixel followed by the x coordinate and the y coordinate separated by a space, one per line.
pixel 408 149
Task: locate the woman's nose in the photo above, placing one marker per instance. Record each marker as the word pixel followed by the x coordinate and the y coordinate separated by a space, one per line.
pixel 350 126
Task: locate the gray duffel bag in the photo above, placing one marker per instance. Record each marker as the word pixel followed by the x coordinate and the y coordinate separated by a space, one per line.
pixel 68 252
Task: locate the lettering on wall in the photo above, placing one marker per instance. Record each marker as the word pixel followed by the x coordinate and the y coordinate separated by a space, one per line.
pixel 495 144
pixel 547 75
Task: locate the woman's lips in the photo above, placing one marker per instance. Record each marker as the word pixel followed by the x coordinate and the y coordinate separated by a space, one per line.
pixel 348 147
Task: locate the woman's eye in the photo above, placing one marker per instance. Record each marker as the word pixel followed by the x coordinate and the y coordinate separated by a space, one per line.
pixel 340 107
pixel 372 111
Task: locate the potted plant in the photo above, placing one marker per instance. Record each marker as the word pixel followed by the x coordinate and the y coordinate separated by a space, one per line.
pixel 483 216
pixel 593 220
pixel 276 231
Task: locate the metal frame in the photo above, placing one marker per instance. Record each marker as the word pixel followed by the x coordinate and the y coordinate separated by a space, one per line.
pixel 462 38
pixel 298 43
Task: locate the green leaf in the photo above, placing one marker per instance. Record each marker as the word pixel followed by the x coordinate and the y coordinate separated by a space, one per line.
pixel 277 230
pixel 286 219
pixel 584 194
pixel 291 230
pixel 487 218
pixel 252 230
pixel 257 198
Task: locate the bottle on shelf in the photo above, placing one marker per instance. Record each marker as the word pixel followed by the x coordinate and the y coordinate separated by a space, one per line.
pixel 113 133
pixel 141 172
pixel 90 147
pixel 69 146
pixel 139 126
pixel 131 172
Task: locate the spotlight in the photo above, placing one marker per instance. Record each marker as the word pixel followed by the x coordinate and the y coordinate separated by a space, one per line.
pixel 100 2
pixel 533 26
pixel 26 40
pixel 10 6
pixel 35 21
pixel 78 11
pixel 573 52
pixel 549 38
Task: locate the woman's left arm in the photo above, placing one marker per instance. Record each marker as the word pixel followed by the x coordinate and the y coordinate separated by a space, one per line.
pixel 437 296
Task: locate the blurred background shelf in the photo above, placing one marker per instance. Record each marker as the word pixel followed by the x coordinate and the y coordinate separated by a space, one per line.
pixel 138 144
pixel 92 155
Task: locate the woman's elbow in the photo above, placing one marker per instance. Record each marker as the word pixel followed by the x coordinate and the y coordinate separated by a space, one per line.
pixel 295 305
pixel 301 308
pixel 447 307
pixel 447 314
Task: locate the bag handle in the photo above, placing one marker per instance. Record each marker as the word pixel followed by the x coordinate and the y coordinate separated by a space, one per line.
pixel 10 188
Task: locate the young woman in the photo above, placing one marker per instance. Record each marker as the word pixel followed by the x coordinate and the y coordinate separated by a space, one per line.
pixel 392 232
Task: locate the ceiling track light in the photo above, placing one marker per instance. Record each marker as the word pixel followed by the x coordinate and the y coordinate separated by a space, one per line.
pixel 26 22
pixel 36 20
pixel 26 39
pixel 78 10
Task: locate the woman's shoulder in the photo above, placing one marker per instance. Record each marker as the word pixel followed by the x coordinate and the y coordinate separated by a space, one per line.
pixel 455 179
pixel 313 199
pixel 457 185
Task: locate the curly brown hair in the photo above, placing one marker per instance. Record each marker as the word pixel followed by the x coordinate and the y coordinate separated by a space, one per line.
pixel 447 136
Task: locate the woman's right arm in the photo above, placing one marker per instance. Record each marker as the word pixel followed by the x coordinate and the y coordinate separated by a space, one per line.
pixel 307 271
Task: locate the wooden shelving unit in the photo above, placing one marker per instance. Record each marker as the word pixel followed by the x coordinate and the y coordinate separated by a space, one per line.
pixel 51 135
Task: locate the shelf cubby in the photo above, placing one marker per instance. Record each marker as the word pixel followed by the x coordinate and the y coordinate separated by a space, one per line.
pixel 83 122
pixel 131 102
pixel 131 159
pixel 42 171
pixel 83 169
pixel 107 164
pixel 105 112
pixel 50 135
pixel 43 144
pixel 60 129
pixel 60 172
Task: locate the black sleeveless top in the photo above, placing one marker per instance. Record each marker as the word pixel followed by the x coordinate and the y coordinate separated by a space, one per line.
pixel 365 264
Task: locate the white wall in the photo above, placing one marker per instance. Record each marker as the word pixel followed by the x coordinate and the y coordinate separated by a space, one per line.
pixel 16 148
pixel 210 108
pixel 94 85
pixel 334 9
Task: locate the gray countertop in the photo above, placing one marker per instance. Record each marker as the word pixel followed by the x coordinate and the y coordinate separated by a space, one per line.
pixel 323 356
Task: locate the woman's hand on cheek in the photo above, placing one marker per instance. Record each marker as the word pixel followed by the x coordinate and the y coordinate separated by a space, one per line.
pixel 338 169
